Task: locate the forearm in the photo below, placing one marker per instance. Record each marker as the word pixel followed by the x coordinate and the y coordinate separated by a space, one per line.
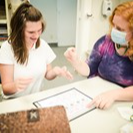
pixel 50 74
pixel 82 68
pixel 125 94
pixel 9 88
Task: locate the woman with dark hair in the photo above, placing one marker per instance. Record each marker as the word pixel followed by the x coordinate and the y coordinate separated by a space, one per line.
pixel 111 58
pixel 25 58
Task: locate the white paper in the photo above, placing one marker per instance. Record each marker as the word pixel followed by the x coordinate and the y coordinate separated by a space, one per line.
pixel 74 101
pixel 128 128
pixel 125 112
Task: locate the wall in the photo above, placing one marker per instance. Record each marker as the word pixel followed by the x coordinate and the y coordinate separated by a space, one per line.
pixel 98 26
pixel 83 26
pixel 60 16
pixel 66 22
pixel 48 9
pixel 99 23
pixel 95 26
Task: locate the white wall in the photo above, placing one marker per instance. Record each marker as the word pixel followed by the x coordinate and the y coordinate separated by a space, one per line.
pixel 48 9
pixel 61 28
pixel 83 33
pixel 66 22
pixel 60 16
pixel 98 26
pixel 99 23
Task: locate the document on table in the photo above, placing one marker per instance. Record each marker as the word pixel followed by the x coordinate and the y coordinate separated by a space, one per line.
pixel 74 101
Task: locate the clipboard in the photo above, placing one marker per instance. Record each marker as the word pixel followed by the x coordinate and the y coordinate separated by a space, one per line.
pixel 74 101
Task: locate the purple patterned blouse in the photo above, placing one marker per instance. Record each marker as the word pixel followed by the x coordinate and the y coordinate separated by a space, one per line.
pixel 108 64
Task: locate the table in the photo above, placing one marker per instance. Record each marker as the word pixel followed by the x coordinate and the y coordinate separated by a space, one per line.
pixel 96 121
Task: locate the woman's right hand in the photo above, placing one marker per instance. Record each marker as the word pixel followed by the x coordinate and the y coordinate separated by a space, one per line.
pixel 71 55
pixel 80 66
pixel 22 83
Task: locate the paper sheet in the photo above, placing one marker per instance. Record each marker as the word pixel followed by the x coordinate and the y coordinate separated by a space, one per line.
pixel 74 101
pixel 125 112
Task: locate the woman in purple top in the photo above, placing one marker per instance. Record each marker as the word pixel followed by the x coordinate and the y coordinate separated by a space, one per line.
pixel 111 58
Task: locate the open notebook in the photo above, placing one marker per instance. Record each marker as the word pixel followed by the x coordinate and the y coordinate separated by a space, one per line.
pixel 74 101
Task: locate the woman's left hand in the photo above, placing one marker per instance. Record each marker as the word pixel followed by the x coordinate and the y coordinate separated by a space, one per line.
pixel 63 72
pixel 103 101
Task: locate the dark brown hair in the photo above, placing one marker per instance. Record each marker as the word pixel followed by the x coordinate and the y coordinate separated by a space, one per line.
pixel 25 12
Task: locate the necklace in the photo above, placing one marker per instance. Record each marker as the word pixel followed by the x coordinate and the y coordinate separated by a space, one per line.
pixel 119 46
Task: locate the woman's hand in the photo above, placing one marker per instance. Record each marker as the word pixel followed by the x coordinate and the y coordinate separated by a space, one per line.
pixel 80 66
pixel 63 72
pixel 22 83
pixel 71 56
pixel 103 101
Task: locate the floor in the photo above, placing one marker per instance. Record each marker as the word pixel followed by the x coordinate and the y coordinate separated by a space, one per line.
pixel 61 61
